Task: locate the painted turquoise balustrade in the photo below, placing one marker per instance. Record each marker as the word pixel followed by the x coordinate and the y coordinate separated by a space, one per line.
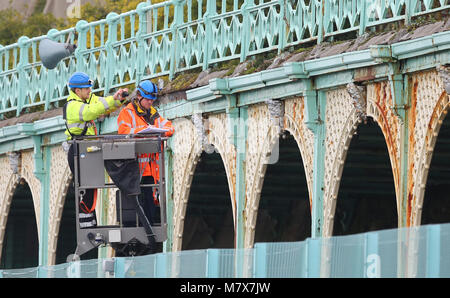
pixel 23 81
pixel 173 36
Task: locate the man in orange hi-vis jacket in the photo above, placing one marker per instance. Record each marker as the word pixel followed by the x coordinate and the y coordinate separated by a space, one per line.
pixel 136 116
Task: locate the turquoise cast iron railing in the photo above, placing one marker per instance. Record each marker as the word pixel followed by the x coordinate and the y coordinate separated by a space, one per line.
pixel 178 35
pixel 406 252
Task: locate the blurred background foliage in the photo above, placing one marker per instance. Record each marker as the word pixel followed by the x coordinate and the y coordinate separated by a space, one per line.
pixel 13 24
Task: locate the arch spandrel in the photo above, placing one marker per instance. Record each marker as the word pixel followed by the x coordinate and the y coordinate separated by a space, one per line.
pixel 262 136
pixel 294 122
pixel 8 183
pixel 186 152
pixel 341 121
pixel 429 106
pixel 60 178
pixel 27 173
pixel 218 132
pixel 379 107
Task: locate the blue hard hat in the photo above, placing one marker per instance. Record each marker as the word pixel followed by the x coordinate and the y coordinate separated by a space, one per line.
pixel 80 80
pixel 148 89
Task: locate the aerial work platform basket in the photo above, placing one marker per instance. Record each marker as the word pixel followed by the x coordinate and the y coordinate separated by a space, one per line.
pixel 132 233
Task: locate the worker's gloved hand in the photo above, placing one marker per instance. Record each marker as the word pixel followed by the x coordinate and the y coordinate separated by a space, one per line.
pixel 121 95
pixel 156 197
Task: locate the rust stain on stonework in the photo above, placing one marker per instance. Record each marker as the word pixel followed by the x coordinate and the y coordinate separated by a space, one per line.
pixel 294 111
pixel 415 199
pixel 411 150
pixel 388 124
pixel 364 74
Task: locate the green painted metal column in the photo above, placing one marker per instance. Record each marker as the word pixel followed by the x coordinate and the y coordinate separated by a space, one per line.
pixel 143 21
pixel 399 84
pixel 112 21
pixel 42 164
pixel 315 104
pixel 404 217
pixel 237 123
pixel 208 42
pixel 401 93
pixel 177 22
pixel 81 28
pixel 24 46
pixel 241 146
pixel 245 8
pixel 168 160
pixel 237 117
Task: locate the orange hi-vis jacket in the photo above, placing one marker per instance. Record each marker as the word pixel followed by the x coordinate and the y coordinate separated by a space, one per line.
pixel 129 122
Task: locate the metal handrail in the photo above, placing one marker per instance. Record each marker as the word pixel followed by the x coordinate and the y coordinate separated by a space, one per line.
pixel 163 39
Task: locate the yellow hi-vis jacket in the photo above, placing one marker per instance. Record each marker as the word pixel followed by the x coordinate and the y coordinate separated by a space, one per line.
pixel 80 115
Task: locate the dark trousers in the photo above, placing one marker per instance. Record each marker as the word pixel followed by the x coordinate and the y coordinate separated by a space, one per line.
pixel 87 219
pixel 150 209
pixel 141 205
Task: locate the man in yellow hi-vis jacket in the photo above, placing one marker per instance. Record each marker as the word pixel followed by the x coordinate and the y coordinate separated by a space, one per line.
pixel 80 111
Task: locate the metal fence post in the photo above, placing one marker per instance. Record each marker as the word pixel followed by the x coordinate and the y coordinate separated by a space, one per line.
pixel 245 41
pixel 81 28
pixel 112 19
pixel 51 74
pixel 207 50
pixel 23 62
pixel 177 21
pixel 409 10
pixel 363 17
pixel 3 66
pixel 283 26
pixel 143 29
pixel 320 33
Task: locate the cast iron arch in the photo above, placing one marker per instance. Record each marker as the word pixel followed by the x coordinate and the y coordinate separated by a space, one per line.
pixel 21 241
pixel 284 212
pixel 209 217
pixel 436 201
pixel 366 200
